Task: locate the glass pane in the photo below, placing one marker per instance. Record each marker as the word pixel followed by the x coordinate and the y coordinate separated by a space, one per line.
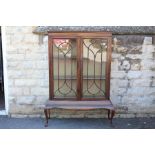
pixel 94 67
pixel 65 68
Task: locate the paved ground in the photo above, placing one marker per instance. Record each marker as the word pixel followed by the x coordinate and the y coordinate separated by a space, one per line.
pixel 2 104
pixel 85 123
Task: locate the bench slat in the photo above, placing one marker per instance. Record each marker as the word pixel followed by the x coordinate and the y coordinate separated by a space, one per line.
pixel 81 105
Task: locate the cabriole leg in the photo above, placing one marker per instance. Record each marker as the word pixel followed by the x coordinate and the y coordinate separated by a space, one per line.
pixel 112 115
pixel 46 117
pixel 49 116
pixel 108 114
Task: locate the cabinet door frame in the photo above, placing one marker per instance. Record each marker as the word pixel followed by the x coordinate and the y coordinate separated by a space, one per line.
pixel 79 36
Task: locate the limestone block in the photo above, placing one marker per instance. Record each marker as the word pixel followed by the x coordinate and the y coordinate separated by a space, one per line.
pixel 147 41
pixel 140 92
pixel 136 91
pixel 123 83
pixel 135 67
pixel 25 99
pixel 28 65
pixel 41 99
pixel 140 83
pixel 28 29
pixel 16 74
pixel 35 56
pixel 147 49
pixel 15 91
pixel 13 64
pixel 122 49
pixel 26 82
pixel 114 83
pixel 144 101
pixel 31 38
pixel 12 100
pixel 134 56
pixel 43 48
pixel 26 91
pixel 35 74
pixel 24 109
pixel 135 50
pixel 44 83
pixel 120 91
pixel 42 64
pixel 153 54
pixel 127 99
pixel 114 65
pixel 134 74
pixel 11 82
pixel 12 51
pixel 153 82
pixel 115 56
pixel 147 64
pixel 152 92
pixel 135 40
pixel 116 99
pixel 15 57
pixel 45 39
pixel 17 39
pixel 18 116
pixel 148 74
pixel 118 75
pixel 39 91
pixel 46 74
pixel 25 47
pixel 19 29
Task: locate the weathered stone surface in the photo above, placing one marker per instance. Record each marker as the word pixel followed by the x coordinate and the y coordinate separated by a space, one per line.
pixel 125 65
pixel 113 29
pixel 129 40
pixel 147 41
pixel 135 64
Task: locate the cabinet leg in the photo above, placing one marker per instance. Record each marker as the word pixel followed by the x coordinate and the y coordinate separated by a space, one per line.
pixel 49 116
pixel 108 114
pixel 112 115
pixel 46 117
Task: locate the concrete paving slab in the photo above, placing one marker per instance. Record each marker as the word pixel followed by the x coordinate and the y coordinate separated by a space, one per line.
pixel 77 123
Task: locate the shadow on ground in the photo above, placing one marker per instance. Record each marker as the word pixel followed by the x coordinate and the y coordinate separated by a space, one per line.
pixel 77 123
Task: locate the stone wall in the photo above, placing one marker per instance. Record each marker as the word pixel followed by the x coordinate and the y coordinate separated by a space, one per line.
pixel 27 65
pixel 132 75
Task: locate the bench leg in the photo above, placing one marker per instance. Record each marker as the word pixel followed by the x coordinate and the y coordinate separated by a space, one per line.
pixel 108 114
pixel 49 116
pixel 46 117
pixel 112 115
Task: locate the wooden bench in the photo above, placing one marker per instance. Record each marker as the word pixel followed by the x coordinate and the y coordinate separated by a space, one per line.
pixel 79 105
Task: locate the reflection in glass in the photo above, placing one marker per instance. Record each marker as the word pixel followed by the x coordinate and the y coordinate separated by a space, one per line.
pixel 65 68
pixel 94 66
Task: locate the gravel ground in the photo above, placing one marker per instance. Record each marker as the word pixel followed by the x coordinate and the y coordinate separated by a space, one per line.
pixel 77 123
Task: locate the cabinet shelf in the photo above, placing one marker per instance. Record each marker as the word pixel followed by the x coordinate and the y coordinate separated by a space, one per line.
pixel 75 78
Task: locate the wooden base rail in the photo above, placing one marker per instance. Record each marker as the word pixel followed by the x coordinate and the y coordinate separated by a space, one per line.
pixel 79 105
